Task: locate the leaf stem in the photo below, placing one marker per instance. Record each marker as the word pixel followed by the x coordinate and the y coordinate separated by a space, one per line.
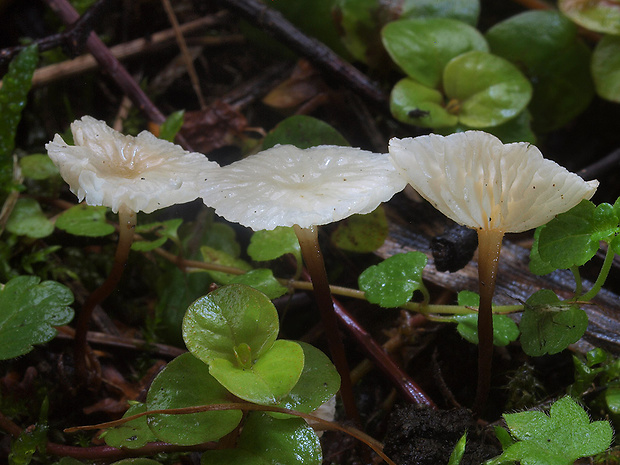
pixel 602 276
pixel 578 282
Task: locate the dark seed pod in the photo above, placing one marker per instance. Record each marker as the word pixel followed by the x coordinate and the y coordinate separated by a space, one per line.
pixel 454 249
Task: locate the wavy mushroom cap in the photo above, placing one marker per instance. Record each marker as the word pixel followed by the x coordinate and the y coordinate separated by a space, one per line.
pixel 479 182
pixel 285 185
pixel 143 173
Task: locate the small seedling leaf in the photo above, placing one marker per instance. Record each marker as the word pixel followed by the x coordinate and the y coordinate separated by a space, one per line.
pixel 303 132
pixel 85 220
pixel 186 382
pixel 261 279
pixel 133 434
pixel 230 315
pixel 362 233
pixel 27 219
pixel 459 450
pixel 171 126
pixel 30 309
pixel 548 325
pixel 268 245
pixel 557 438
pixel 266 379
pixel 392 282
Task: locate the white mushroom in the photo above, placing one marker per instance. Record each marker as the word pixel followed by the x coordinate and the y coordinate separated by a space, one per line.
pixel 128 174
pixel 288 186
pixel 477 181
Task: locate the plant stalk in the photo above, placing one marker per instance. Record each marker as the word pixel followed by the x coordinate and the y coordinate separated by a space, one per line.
pixel 602 275
pixel 489 247
pixel 313 257
pixel 127 224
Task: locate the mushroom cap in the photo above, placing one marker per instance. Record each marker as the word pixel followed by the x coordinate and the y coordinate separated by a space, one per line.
pixel 143 173
pixel 285 185
pixel 479 182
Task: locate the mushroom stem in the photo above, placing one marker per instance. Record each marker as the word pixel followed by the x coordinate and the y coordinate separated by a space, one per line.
pixel 489 247
pixel 313 257
pixel 127 225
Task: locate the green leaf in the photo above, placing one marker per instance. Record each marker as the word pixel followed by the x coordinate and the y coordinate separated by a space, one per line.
pixel 559 438
pixel 392 282
pixel 137 461
pixel 38 166
pixel 217 323
pixel 218 257
pixel 165 229
pixel 423 47
pixel 133 434
pixel 548 325
pixel 319 382
pixel 545 46
pixel 504 329
pixel 171 126
pixel 268 245
pixel 268 441
pixel 222 237
pixel 413 103
pixel 186 382
pixel 566 240
pixel 459 450
pixel 303 131
pixel 264 379
pixel 27 219
pixel 463 10
pixel 29 311
pixel 16 84
pixel 596 15
pixel 85 220
pixel 261 279
pixel 537 265
pixel 606 68
pixel 362 233
pixel 488 89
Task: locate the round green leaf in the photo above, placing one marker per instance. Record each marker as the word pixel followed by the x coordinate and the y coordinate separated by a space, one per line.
pixel 362 233
pixel 423 47
pixel 230 315
pixel 85 220
pixel 413 103
pixel 29 311
pixel 27 219
pixel 266 379
pixel 596 15
pixel 133 434
pixel 219 257
pixel 463 10
pixel 268 245
pixel 230 456
pixel 545 46
pixel 186 382
pixel 392 282
pixel 504 329
pixel 489 89
pixel 38 166
pixel 319 382
pixel 606 68
pixel 537 265
pixel 303 131
pixel 261 279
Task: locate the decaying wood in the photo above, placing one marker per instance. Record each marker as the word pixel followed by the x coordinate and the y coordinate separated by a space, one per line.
pixel 412 227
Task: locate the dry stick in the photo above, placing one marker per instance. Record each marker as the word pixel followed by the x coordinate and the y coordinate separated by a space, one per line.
pixel 115 69
pixel 313 257
pixel 127 224
pixel 489 247
pixel 604 166
pixel 318 53
pixel 189 63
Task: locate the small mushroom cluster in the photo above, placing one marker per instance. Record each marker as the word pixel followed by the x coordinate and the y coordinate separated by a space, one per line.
pixel 471 177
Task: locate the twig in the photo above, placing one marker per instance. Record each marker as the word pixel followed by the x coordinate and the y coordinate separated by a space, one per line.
pixel 319 54
pixel 604 166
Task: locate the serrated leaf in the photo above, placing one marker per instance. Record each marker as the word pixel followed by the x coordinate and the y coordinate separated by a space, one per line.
pixel 263 280
pixel 266 378
pixel 392 282
pixel 38 166
pixel 268 245
pixel 217 323
pixel 30 309
pixel 559 438
pixel 186 382
pixel 548 325
pixel 85 220
pixel 133 434
pixel 171 126
pixel 423 47
pixel 606 68
pixel 303 132
pixel 27 219
pixel 361 233
pixel 566 240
